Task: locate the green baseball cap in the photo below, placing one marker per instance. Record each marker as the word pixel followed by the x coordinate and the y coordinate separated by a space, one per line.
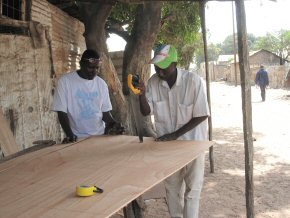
pixel 164 55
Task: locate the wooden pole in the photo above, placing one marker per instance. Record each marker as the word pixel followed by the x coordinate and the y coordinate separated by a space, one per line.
pixel 203 27
pixel 246 104
pixel 234 44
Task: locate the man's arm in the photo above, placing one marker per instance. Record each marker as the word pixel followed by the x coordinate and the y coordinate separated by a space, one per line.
pixel 195 121
pixel 144 106
pixel 257 78
pixel 108 118
pixel 64 122
pixel 267 79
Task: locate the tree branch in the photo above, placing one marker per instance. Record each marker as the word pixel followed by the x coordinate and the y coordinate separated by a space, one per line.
pixel 120 32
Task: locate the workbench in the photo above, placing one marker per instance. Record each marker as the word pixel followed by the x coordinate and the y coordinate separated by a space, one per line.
pixel 43 183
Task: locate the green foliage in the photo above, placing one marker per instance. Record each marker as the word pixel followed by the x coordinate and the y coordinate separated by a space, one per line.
pixel 123 15
pixel 181 25
pixel 277 42
pixel 181 29
pixel 227 47
pixel 213 51
pixel 251 41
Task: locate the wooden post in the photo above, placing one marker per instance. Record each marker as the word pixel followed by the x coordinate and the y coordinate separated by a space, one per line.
pixel 246 104
pixel 234 44
pixel 202 17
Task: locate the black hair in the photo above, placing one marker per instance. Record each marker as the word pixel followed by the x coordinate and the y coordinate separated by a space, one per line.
pixel 90 53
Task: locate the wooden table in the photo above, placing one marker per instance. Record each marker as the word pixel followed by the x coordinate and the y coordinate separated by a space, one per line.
pixel 43 183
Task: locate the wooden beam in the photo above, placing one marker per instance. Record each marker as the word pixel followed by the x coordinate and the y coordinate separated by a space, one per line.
pixel 245 75
pixel 204 36
pixel 142 1
pixel 13 23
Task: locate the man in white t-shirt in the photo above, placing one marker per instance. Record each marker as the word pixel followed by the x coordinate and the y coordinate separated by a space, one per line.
pixel 83 103
pixel 178 101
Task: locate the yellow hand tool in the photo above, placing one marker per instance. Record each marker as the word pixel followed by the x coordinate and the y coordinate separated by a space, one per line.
pixel 85 191
pixel 133 81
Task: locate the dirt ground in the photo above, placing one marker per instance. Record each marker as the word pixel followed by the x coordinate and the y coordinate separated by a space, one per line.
pixel 223 194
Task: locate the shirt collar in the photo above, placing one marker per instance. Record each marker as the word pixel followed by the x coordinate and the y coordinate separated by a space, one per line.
pixel 178 79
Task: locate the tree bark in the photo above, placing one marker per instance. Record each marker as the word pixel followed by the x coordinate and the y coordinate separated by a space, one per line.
pixel 136 60
pixel 137 57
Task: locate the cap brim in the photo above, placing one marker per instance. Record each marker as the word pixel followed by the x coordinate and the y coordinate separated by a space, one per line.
pixel 164 64
pixel 161 61
pixel 157 58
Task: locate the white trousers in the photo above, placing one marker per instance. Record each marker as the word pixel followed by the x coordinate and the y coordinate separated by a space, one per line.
pixel 183 189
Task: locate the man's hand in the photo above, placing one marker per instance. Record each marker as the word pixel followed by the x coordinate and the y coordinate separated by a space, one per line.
pixel 70 139
pixel 167 137
pixel 141 87
pixel 114 129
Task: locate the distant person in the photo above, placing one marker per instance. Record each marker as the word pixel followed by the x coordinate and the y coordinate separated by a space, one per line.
pixel 178 101
pixel 83 103
pixel 262 80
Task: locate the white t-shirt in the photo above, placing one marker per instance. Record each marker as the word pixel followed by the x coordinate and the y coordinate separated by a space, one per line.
pixel 173 108
pixel 84 101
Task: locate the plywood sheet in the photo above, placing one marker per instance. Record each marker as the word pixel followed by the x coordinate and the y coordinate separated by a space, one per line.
pixel 44 185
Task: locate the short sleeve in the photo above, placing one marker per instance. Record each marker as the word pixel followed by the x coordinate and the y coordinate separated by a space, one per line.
pixel 200 104
pixel 107 105
pixel 60 97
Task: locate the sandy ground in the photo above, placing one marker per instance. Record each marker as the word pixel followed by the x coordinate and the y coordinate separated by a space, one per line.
pixel 223 194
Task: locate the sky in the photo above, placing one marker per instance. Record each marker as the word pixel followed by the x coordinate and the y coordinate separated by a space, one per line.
pixel 262 16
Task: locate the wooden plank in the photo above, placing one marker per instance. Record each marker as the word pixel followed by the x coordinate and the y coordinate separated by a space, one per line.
pixel 45 185
pixel 13 23
pixel 7 141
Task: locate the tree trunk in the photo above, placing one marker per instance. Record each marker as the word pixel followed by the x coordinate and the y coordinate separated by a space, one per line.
pixel 94 17
pixel 137 57
pixel 136 60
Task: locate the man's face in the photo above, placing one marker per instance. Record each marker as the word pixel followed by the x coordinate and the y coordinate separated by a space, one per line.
pixel 91 68
pixel 166 73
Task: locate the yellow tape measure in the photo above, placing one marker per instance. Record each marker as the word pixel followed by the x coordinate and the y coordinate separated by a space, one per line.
pixel 85 191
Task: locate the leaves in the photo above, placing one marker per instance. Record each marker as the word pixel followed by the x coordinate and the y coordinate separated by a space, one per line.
pixel 182 29
pixel 277 42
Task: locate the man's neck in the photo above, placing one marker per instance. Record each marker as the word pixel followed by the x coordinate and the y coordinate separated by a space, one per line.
pixel 172 79
pixel 81 74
